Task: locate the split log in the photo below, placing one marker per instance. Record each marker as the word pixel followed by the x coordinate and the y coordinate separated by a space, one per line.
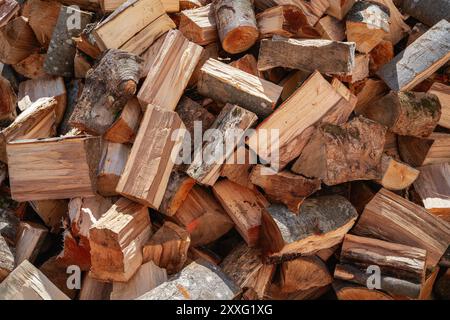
pixel 200 280
pixel 406 113
pixel 443 93
pixel 203 217
pixel 294 121
pixel 157 143
pixel 349 291
pixel 226 84
pixel 245 267
pixel 32 66
pixel 56 272
pixel 236 25
pixel 168 247
pixel 109 85
pixel 17 41
pixel 26 282
pixel 112 163
pixel 92 289
pixel 238 166
pixel 8 100
pixel 381 55
pixel 8 9
pixel 58 162
pixel 150 55
pixel 231 124
pixel 367 91
pixel 412 66
pixel 86 41
pixel 177 190
pixel 284 187
pixel 6 259
pixel 176 59
pixel 116 241
pixel 321 223
pixel 367 23
pixel 125 22
pixel 31 90
pixel 248 64
pixel 402 267
pixel 287 21
pixel 51 212
pixel 398 29
pixel 338 154
pixel 244 206
pixel 331 28
pixel 199 25
pixel 405 223
pixel 429 12
pixel 317 54
pixel 210 51
pixel 148 277
pixel 124 129
pixel 61 50
pixel 396 175
pixel 417 152
pixel 43 16
pixel 303 274
pixel 171 5
pixel 433 188
pixel 30 237
pixel 360 71
pixel 76 251
pixel 340 8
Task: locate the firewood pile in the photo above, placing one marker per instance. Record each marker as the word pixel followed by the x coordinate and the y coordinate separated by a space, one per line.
pixel 266 149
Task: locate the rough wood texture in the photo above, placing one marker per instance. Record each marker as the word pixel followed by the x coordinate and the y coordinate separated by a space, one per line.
pixel 57 163
pixel 124 129
pixel 380 55
pixel 338 154
pixel 248 64
pixel 8 100
pixel 349 291
pixel 109 85
pixel 200 280
pixel 339 8
pixel 406 113
pixel 326 56
pixel 26 282
pixel 151 160
pixel 367 91
pixel 238 166
pixel 112 163
pixel 32 66
pixel 244 206
pixel 9 224
pixel 398 29
pixel 227 84
pixel 56 272
pixel 170 71
pixel 321 223
pixel 331 28
pixel 92 289
pixel 284 187
pixel 236 24
pixel 360 71
pixel 199 25
pixel 116 241
pixel 6 259
pixel 396 175
pixel 429 12
pixel 168 247
pixel 433 187
pixel 231 123
pixel 411 66
pixel 405 223
pixel 203 217
pixel 443 93
pixel 402 267
pixel 51 212
pixel 8 9
pixel 418 152
pixel 42 19
pixel 178 188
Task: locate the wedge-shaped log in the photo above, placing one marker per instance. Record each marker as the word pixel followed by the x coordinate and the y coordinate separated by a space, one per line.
pixel 405 223
pixel 176 59
pixel 199 25
pixel 227 84
pixel 244 206
pixel 326 56
pixel 238 166
pixel 339 8
pixel 200 280
pixel 402 267
pixel 151 160
pixel 284 187
pixel 6 259
pixel 203 217
pixel 116 241
pixel 321 223
pixel 168 247
pixel 112 163
pixel 396 175
pixel 30 238
pixel 124 129
pixel 442 91
pixel 412 66
pixel 43 16
pixel 331 28
pixel 338 154
pixel 406 113
pixel 26 282
pixel 61 168
pixel 109 85
pixel 418 152
pixel 368 91
pixel 177 190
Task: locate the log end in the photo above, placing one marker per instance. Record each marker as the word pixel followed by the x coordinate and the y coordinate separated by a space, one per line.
pixel 240 39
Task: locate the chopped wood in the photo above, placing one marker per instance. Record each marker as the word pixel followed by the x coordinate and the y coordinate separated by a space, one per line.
pixel 442 91
pixel 178 188
pixel 248 64
pixel 7 263
pixel 125 127
pixel 367 91
pixel 56 272
pixel 360 71
pixel 210 51
pixel 192 4
pixel 429 12
pixel 112 163
pixel 9 225
pixel 32 66
pixel 380 55
pixel 30 238
pixel 199 25
pixel 331 28
pixel 8 9
pixel 349 291
pixel 238 166
pixel 81 65
pixel 75 251
pixel 43 16
pixel 339 8
pixel 227 84
pixel 397 26
pixel 405 223
pixel 396 175
pixel 92 289
pixel 51 212
pixel 8 100
pixel 418 152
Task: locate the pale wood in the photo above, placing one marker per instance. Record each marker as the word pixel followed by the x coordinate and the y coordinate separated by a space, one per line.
pixel 112 163
pixel 210 51
pixel 331 28
pixel 63 167
pixel 151 159
pixel 51 212
pixel 116 241
pixel 203 217
pixel 248 64
pixel 411 66
pixel 148 277
pixel 43 16
pixel 199 25
pixel 398 28
pixel 360 71
pixel 30 237
pixel 396 175
pixel 244 206
pixel 339 8
pixel 442 91
pixel 226 84
pixel 92 289
pixel 6 259
pixel 124 129
pixel 171 5
pixel 405 223
pixel 26 282
pixel 238 166
pixel 367 91
pixel 170 71
pixel 32 66
pixel 168 247
pixel 200 280
pixel 418 152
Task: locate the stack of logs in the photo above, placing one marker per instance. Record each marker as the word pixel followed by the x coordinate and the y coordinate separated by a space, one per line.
pixel 100 98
